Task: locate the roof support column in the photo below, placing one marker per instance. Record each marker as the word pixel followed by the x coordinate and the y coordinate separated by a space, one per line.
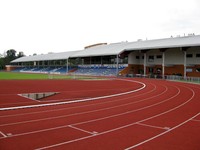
pixel 163 62
pixel 184 49
pixel 117 66
pixel 145 62
pixel 67 67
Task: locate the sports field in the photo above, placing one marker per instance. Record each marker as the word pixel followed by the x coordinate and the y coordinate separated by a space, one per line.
pixel 15 76
pixel 31 76
pixel 141 114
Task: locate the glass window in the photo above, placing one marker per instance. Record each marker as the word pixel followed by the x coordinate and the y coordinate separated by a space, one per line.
pixel 197 55
pixel 159 56
pixel 151 58
pixel 189 55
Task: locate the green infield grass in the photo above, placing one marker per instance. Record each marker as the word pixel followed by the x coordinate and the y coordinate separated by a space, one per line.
pixel 20 76
pixel 29 76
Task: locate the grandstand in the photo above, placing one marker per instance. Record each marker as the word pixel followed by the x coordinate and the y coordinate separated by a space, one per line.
pixel 160 57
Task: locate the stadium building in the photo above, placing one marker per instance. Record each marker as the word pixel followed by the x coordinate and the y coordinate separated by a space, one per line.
pixel 160 57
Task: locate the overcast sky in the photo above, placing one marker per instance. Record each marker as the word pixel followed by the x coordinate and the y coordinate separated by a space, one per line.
pixel 42 26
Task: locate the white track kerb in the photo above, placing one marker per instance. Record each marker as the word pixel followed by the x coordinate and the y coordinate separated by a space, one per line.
pixel 82 100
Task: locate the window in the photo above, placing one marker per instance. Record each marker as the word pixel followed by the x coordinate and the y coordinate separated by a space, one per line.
pixel 197 69
pixel 189 55
pixel 159 56
pixel 189 70
pixel 137 57
pixel 151 58
pixel 197 55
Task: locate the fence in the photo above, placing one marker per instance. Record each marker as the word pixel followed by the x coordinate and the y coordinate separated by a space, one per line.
pixel 180 78
pixel 167 77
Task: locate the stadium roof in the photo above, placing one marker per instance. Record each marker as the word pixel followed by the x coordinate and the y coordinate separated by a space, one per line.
pixel 186 41
pixel 52 56
pixel 117 48
pixel 102 50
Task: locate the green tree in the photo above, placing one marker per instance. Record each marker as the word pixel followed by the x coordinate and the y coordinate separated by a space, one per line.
pixel 10 55
pixel 20 54
pixel 1 63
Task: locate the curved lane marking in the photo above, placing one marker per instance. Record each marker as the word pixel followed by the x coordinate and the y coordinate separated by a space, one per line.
pixel 128 125
pixel 82 100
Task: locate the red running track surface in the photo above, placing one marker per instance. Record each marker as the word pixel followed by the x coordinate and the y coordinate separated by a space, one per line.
pixel 161 115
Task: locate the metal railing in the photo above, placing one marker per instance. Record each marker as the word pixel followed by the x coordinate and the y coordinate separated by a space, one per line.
pixel 180 78
pixel 167 77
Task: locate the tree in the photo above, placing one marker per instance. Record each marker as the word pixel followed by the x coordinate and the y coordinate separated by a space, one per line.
pixel 20 54
pixel 11 54
pixel 1 63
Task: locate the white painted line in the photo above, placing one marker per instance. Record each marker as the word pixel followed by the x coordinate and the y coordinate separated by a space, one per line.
pixel 9 134
pixel 80 129
pixel 91 120
pixel 3 134
pixel 128 112
pixel 196 120
pixel 82 106
pixel 163 128
pixel 125 126
pixel 193 94
pixel 154 137
pixel 33 132
pixel 59 144
pixel 76 101
pixel 87 112
pixel 121 127
pixel 73 115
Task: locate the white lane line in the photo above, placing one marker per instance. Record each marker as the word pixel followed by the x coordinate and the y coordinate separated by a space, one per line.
pixel 82 100
pixel 74 124
pixel 59 144
pixel 106 102
pixel 157 127
pixel 80 129
pixel 55 128
pixel 82 106
pixel 81 113
pixel 38 131
pixel 122 127
pixel 132 111
pixel 3 134
pixel 104 117
pixel 154 137
pixel 196 120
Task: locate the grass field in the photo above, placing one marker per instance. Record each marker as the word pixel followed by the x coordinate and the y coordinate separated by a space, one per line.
pixel 27 76
pixel 20 76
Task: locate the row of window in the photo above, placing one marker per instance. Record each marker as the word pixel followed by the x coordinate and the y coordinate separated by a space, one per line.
pixel 151 57
pixel 191 55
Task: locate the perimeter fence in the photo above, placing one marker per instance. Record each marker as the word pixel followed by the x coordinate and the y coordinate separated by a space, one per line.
pixel 168 77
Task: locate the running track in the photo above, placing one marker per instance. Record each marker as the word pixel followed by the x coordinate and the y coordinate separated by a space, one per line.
pixel 148 114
